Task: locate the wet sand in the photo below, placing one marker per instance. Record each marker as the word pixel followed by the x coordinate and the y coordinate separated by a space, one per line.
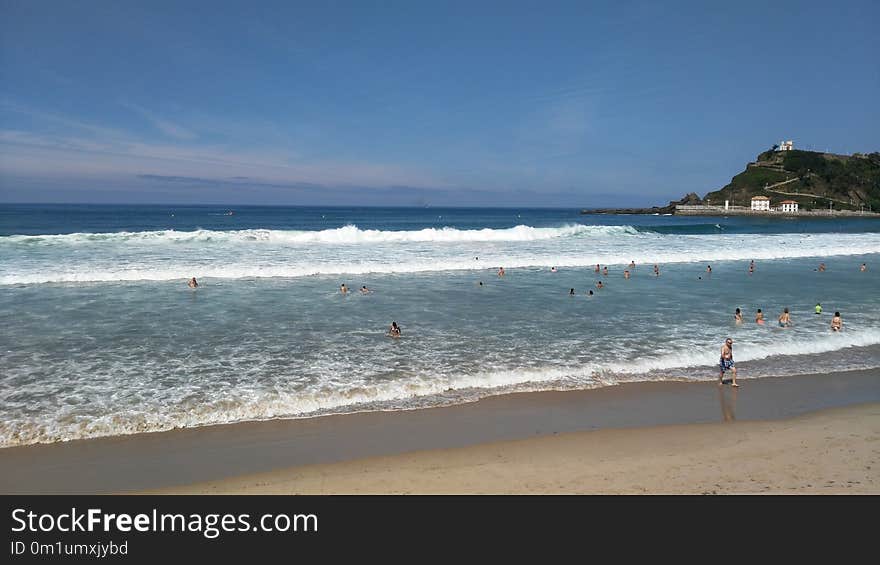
pixel 832 452
pixel 755 438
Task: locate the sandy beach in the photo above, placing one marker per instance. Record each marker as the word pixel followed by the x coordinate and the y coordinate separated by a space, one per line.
pixel 829 452
pixel 806 433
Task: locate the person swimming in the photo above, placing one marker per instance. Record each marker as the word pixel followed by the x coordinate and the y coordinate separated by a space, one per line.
pixel 500 271
pixel 709 269
pixel 571 292
pixel 552 269
pixel 626 274
pixel 821 267
pixel 738 316
pixel 364 289
pixel 632 264
pixel 597 269
pixel 192 283
pixel 656 271
pixel 818 308
pixel 836 322
pixel 752 267
pixel 394 330
pixel 605 271
pixel 590 293
pixel 784 319
pixel 343 289
pixel 599 284
pixel 759 317
pixel 863 268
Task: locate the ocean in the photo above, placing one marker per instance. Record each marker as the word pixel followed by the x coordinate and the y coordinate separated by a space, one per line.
pixel 102 336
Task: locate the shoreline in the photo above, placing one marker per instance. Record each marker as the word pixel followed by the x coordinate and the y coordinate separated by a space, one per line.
pixel 721 212
pixel 178 458
pixel 833 451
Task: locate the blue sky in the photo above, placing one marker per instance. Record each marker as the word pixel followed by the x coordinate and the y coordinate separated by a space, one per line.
pixel 414 102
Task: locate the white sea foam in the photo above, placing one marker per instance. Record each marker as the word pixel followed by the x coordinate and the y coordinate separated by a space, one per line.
pixel 282 262
pixel 345 235
pixel 422 389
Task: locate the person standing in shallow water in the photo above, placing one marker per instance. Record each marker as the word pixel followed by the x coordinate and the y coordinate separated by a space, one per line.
pixel 192 283
pixel 738 316
pixel 818 308
pixel 726 362
pixel 836 322
pixel 784 319
pixel 500 271
pixel 759 317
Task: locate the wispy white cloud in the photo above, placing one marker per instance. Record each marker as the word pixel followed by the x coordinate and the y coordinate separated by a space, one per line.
pixel 67 122
pixel 26 153
pixel 63 146
pixel 167 127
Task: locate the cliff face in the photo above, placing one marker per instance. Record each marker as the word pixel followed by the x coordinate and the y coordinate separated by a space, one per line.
pixel 811 178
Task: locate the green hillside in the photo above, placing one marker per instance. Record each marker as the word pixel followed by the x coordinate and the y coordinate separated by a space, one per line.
pixel 813 179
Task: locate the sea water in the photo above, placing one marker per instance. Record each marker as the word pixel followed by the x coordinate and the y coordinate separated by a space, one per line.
pixel 101 335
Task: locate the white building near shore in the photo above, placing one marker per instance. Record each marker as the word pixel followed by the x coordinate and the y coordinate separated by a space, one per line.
pixel 761 203
pixel 788 206
pixel 785 145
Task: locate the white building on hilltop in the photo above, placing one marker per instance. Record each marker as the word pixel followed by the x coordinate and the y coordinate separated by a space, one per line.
pixel 788 206
pixel 761 203
pixel 785 145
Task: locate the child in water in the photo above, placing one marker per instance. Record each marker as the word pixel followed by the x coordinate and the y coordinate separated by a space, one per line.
pixel 759 317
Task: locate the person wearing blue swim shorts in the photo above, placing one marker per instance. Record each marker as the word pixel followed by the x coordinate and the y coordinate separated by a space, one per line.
pixel 726 363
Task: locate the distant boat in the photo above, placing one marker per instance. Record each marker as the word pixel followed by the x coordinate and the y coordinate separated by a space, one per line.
pixel 229 213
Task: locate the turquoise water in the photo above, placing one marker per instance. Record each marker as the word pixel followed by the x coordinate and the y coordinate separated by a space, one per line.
pixel 103 336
